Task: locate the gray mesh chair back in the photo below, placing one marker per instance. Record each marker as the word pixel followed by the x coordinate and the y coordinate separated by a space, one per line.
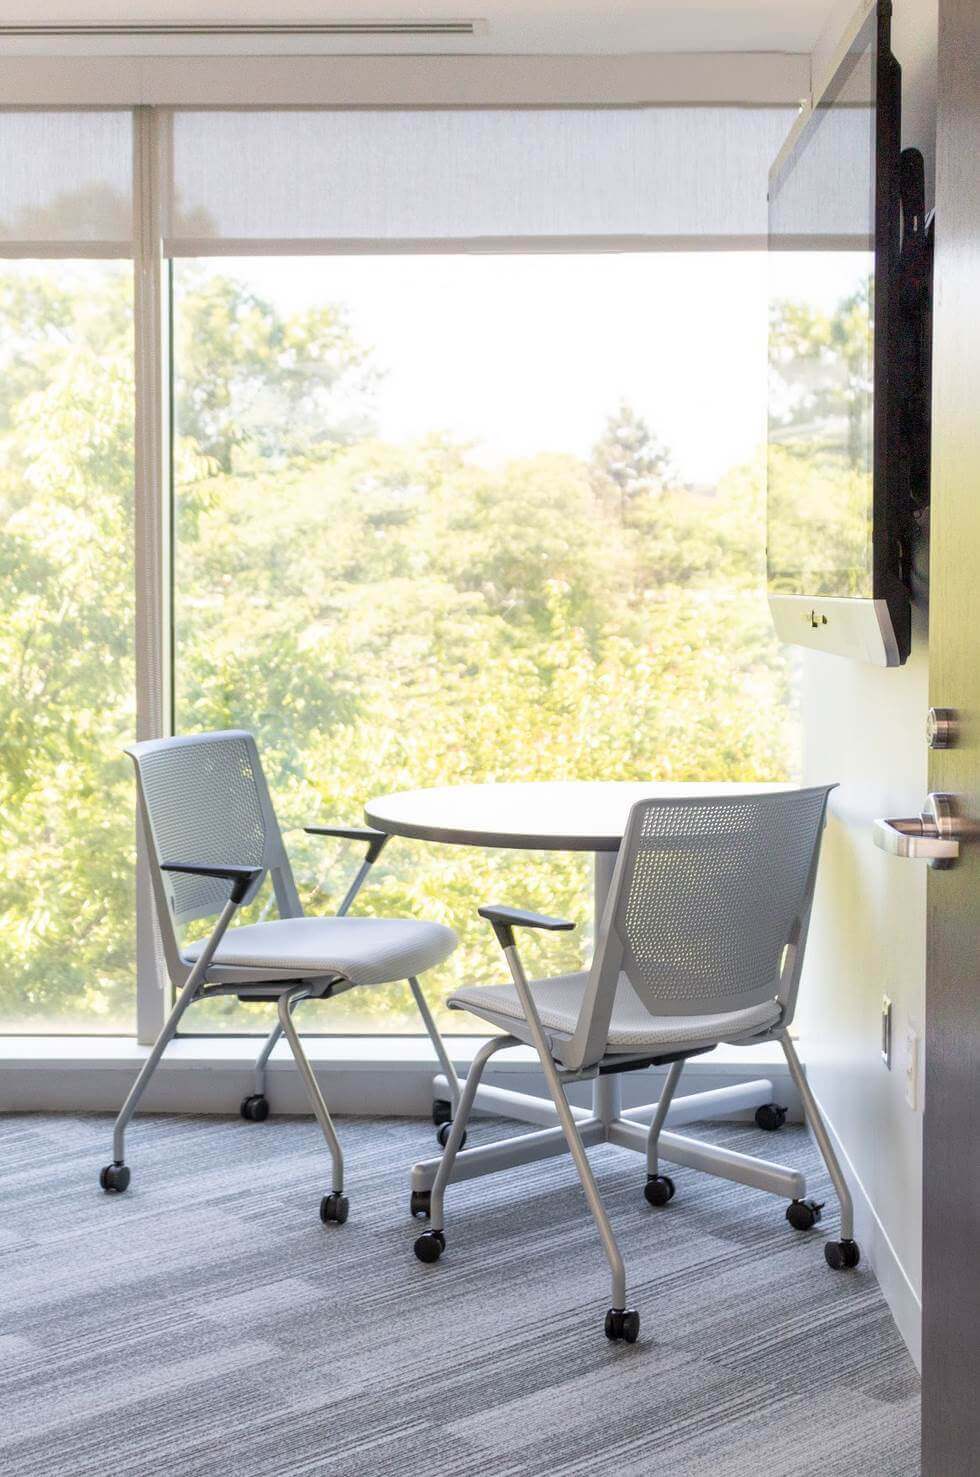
pixel 709 906
pixel 203 798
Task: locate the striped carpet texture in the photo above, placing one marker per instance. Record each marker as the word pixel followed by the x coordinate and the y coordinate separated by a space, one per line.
pixel 206 1324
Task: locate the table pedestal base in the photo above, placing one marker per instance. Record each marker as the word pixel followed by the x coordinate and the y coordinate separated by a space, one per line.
pixel 606 1122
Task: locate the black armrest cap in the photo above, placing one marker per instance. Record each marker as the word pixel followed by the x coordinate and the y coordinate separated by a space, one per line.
pixel 523 918
pixel 241 878
pixel 505 920
pixel 376 840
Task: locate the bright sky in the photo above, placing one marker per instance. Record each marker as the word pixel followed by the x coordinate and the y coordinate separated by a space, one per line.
pixel 531 353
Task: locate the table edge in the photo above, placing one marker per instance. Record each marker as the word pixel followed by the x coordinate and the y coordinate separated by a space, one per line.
pixel 501 840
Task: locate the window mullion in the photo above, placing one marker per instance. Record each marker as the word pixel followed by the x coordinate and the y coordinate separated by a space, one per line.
pixel 152 526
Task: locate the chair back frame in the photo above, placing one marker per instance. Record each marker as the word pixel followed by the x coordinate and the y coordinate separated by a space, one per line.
pixel 205 797
pixel 702 836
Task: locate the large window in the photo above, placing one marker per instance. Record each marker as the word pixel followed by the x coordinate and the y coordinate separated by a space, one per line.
pixel 67 927
pixel 462 454
pixel 472 517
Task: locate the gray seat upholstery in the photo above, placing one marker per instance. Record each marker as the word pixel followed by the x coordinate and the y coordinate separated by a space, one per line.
pixel 631 1027
pixel 365 951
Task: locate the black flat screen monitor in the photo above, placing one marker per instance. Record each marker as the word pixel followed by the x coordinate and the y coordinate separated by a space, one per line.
pixel 834 233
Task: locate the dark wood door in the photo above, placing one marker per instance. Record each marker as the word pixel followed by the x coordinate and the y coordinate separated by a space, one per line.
pixel 951 1124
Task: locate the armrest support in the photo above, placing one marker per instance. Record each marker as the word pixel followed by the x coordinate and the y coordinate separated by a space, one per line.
pixel 376 840
pixel 504 920
pixel 241 878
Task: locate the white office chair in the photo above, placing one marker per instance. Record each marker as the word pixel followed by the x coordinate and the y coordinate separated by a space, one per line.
pixel 211 836
pixel 701 942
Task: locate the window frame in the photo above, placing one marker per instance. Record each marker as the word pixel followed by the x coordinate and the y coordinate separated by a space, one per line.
pixel 154 501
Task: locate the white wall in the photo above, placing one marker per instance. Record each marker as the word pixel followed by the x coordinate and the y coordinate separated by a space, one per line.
pixel 866 728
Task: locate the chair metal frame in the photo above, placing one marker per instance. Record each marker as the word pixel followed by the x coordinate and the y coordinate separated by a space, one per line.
pixel 584 1054
pixel 200 978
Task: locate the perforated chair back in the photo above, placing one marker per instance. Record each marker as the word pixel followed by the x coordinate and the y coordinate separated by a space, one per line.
pixel 709 906
pixel 204 798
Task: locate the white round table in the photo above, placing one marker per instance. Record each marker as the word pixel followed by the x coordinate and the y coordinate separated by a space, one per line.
pixel 571 815
pixel 543 815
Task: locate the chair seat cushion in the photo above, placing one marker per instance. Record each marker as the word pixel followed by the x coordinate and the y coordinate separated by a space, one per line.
pixel 366 951
pixel 632 1027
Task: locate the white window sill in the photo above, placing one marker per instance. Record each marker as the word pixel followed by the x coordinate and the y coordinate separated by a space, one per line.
pixel 352 1053
pixel 378 1075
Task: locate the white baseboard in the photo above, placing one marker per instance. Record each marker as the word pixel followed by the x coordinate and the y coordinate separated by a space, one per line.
pixel 878 1251
pixel 379 1076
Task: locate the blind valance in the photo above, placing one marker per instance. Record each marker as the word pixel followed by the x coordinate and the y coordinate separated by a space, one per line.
pixel 66 183
pixel 309 180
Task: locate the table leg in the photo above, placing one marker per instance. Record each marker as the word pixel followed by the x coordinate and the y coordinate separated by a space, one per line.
pixel 761 1174
pixel 506 1153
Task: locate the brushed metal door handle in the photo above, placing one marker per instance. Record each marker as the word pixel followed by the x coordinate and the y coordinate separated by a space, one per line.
pixel 931 837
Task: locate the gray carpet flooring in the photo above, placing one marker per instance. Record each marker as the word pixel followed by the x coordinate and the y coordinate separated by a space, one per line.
pixel 206 1324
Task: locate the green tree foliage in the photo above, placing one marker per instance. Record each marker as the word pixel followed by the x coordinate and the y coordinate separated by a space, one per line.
pixel 629 465
pixel 66 647
pixel 382 616
pixel 819 472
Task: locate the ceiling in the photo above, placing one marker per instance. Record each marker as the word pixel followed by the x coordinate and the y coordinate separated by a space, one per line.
pixel 511 26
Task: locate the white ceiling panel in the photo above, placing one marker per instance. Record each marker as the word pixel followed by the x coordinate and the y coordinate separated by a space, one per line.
pixel 508 26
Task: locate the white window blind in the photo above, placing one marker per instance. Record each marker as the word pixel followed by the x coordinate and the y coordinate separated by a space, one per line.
pixel 319 180
pixel 66 183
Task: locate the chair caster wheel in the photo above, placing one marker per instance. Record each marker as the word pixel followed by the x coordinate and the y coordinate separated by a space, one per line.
pixel 421 1203
pixel 842 1255
pixel 114 1179
pixel 430 1246
pixel 442 1135
pixel 255 1109
pixel 659 1189
pixel 442 1112
pixel 770 1117
pixel 334 1208
pixel 622 1324
pixel 803 1214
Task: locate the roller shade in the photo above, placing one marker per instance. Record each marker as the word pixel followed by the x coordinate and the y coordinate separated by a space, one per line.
pixel 318 180
pixel 66 183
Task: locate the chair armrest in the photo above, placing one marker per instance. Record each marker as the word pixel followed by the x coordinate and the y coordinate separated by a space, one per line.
pixel 376 840
pixel 241 878
pixel 504 920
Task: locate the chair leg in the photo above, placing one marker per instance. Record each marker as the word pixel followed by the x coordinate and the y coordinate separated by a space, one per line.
pixel 287 1000
pixel 660 1116
pixel 458 1130
pixel 570 1128
pixel 445 1062
pixel 140 1085
pixel 620 1322
pixel 819 1131
pixel 262 1060
pixel 115 1176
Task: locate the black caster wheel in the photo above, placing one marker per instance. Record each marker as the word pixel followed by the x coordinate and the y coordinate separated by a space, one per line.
pixel 442 1135
pixel 622 1324
pixel 442 1112
pixel 421 1203
pixel 803 1214
pixel 334 1208
pixel 430 1246
pixel 659 1189
pixel 255 1109
pixel 114 1179
pixel 842 1255
pixel 770 1117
